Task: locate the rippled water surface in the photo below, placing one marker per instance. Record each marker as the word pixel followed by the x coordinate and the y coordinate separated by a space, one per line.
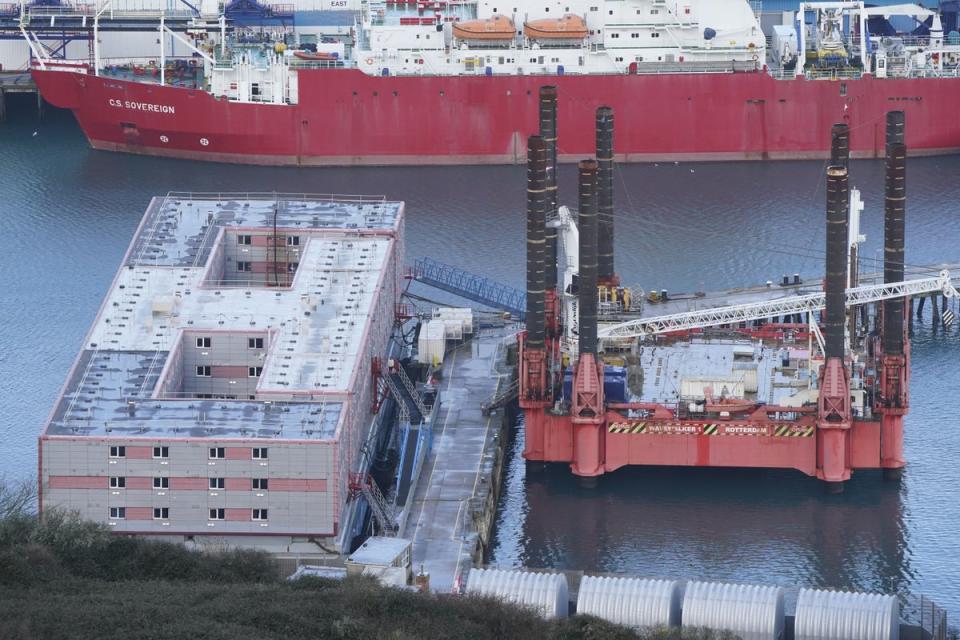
pixel 69 212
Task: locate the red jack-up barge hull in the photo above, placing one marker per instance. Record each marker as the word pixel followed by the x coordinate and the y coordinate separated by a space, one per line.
pixel 596 437
pixel 346 117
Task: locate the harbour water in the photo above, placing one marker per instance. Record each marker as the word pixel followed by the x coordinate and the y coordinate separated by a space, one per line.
pixel 69 212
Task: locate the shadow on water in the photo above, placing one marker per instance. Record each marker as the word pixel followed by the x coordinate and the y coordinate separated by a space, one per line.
pixel 716 524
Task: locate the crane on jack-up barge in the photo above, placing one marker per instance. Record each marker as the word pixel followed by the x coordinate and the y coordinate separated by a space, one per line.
pixel 835 407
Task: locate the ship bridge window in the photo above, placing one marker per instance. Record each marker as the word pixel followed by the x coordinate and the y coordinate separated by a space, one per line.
pixel 653 12
pixel 598 8
pixel 611 11
pixel 654 35
pixel 619 59
pixel 255 89
pixel 634 35
pixel 500 60
pixel 614 35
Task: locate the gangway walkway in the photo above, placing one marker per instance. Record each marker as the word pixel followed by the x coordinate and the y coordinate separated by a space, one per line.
pixel 455 475
pixel 470 286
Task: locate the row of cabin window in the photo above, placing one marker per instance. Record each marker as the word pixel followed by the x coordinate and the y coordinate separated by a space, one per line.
pixel 256 484
pixel 653 12
pixel 205 342
pixel 636 35
pixel 247 267
pixel 292 241
pixel 216 453
pixel 163 513
pixel 205 371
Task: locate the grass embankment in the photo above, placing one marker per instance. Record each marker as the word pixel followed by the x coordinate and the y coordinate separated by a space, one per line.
pixel 65 578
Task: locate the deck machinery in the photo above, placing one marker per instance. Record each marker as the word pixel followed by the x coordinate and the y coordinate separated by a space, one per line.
pixel 742 386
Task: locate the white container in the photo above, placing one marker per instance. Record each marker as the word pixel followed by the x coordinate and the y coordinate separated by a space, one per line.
pixel 841 615
pixel 432 343
pixel 632 602
pixel 750 612
pixel 545 593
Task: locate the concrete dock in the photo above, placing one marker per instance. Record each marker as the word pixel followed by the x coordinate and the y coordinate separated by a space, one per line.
pixel 455 501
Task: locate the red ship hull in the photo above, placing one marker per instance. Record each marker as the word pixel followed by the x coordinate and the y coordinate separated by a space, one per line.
pixel 345 117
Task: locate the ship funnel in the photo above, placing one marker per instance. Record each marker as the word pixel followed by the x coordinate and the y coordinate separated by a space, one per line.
pixel 895 208
pixel 587 222
pixel 836 280
pixel 536 210
pixel 548 131
pixel 605 266
pixel 840 146
pixel 895 128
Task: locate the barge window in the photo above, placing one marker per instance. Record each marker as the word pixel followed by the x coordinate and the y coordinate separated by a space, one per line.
pixel 203 371
pixel 118 452
pixel 161 452
pixel 217 514
pixel 255 343
pixel 118 513
pixel 161 513
pixel 259 453
pixel 259 484
pixel 259 514
pixel 118 482
pixel 244 239
pixel 217 453
pixel 216 483
pixel 203 343
pixel 254 372
pixel 161 483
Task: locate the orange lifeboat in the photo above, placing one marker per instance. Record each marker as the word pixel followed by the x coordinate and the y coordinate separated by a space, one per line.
pixel 569 27
pixel 494 28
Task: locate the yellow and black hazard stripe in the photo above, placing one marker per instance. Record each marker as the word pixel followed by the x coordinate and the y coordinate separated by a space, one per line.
pixel 710 429
pixel 627 427
pixel 793 431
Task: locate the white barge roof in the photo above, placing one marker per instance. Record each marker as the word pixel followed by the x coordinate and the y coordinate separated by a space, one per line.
pixel 316 327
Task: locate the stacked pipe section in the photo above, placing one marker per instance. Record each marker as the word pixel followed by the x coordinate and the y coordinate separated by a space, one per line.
pixel 587 223
pixel 534 394
pixel 534 347
pixel 894 402
pixel 548 131
pixel 840 146
pixel 587 408
pixel 837 205
pixel 895 205
pixel 834 402
pixel 605 267
pixel 536 228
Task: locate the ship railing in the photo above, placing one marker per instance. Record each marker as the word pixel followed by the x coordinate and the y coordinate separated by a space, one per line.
pixel 275 197
pixel 322 64
pixel 81 9
pixel 744 66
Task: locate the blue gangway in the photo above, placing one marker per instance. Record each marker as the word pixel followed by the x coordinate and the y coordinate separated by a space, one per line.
pixel 479 289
